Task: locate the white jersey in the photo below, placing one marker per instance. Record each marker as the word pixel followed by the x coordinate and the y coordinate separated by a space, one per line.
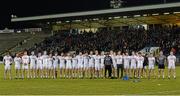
pixel 97 62
pixel 91 61
pixel 133 61
pixel 74 62
pixel 140 61
pixel 151 62
pixel 17 61
pixel 55 61
pixel 171 61
pixel 45 60
pixel 80 61
pixel 33 60
pixel 102 60
pixel 50 63
pixel 119 59
pixel 39 62
pixel 25 59
pixel 68 62
pixel 86 61
pixel 62 62
pixel 7 60
pixel 126 61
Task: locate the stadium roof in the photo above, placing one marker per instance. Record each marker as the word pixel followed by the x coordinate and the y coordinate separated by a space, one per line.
pixel 166 18
pixel 98 12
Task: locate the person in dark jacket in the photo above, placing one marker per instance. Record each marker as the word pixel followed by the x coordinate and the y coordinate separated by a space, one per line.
pixel 108 65
pixel 145 64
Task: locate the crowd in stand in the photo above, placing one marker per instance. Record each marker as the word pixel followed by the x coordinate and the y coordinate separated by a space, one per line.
pixel 131 39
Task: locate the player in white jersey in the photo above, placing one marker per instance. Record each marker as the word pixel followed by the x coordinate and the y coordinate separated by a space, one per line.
pixel 151 62
pixel 91 65
pixel 17 61
pixel 7 60
pixel 68 59
pixel 97 63
pixel 140 60
pixel 86 64
pixel 45 64
pixel 171 65
pixel 50 66
pixel 119 60
pixel 126 59
pixel 133 65
pixel 113 55
pixel 33 61
pixel 102 64
pixel 39 65
pixel 80 65
pixel 62 65
pixel 74 65
pixel 55 64
pixel 25 65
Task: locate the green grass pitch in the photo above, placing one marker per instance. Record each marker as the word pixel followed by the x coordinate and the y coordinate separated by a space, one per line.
pixel 89 87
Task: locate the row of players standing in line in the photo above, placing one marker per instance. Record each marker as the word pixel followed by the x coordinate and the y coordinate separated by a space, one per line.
pixel 86 65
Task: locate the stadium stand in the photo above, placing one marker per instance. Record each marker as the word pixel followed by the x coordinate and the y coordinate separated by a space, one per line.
pixel 16 42
pixel 9 40
pixel 167 38
pixel 30 42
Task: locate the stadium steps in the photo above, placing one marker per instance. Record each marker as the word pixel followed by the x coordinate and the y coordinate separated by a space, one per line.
pixel 9 40
pixel 30 42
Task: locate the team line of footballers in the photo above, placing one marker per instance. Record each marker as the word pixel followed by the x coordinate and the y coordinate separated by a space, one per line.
pixel 87 65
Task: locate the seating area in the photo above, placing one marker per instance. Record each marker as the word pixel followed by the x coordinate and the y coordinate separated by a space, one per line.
pixel 29 42
pixel 15 42
pixel 9 40
pixel 130 39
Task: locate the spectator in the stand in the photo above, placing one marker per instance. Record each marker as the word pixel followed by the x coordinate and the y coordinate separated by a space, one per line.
pixel 125 40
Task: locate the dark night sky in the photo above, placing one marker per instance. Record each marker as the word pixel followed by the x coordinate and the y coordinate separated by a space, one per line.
pixel 23 8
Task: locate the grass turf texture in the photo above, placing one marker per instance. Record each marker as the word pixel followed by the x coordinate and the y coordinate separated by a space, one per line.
pixel 89 86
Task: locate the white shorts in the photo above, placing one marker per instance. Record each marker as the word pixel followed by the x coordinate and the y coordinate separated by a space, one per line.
pixel 50 66
pixel 25 67
pixel 7 67
pixel 68 66
pixel 74 66
pixel 91 65
pixel 62 66
pixel 17 67
pixel 126 66
pixel 40 66
pixel 32 66
pixel 140 66
pixel 97 68
pixel 171 66
pixel 80 66
pixel 86 66
pixel 102 66
pixel 133 66
pixel 45 66
pixel 55 66
pixel 151 66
